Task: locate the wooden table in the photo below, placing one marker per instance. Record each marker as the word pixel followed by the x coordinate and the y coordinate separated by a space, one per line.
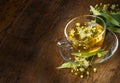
pixel 29 30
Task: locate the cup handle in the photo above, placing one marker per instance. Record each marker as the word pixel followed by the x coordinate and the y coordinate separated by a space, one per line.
pixel 62 46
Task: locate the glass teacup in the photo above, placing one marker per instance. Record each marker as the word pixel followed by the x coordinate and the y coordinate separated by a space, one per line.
pixel 85 33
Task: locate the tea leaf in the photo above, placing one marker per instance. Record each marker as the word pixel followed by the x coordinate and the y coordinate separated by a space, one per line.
pixel 102 53
pixel 116 16
pixel 83 54
pixel 65 65
pixel 111 19
pixel 94 11
pixel 87 55
pixel 114 29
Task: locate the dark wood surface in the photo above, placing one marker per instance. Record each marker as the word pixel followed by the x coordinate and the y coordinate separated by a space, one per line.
pixel 29 30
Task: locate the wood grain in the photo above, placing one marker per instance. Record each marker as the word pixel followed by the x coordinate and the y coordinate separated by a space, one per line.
pixel 29 30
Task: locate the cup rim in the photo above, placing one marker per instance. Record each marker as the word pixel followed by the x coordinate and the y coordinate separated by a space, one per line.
pixel 65 29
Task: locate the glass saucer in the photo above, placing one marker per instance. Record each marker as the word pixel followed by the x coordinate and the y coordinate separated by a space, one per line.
pixel 110 44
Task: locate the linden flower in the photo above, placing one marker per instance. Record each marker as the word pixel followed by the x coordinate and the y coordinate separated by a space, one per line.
pixel 86 63
pixel 72 32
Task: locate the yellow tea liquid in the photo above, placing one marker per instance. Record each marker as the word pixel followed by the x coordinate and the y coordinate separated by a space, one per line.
pixel 88 38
